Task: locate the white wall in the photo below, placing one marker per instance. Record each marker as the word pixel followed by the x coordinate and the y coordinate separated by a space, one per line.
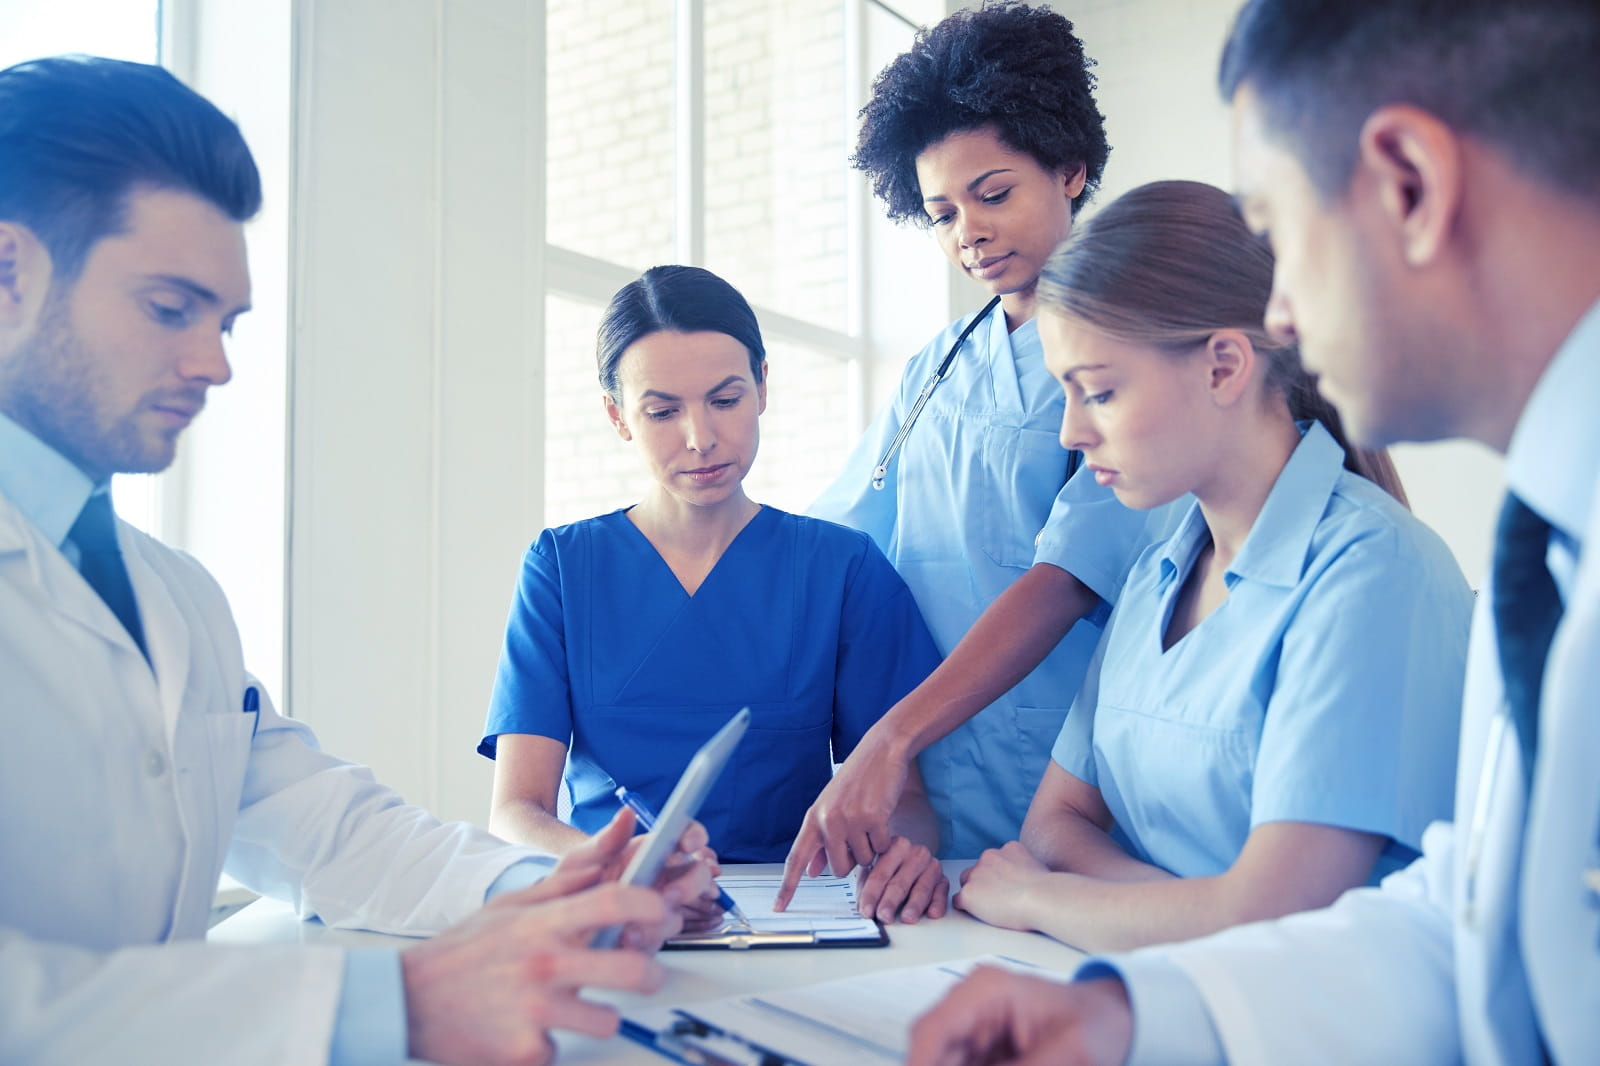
pixel 414 454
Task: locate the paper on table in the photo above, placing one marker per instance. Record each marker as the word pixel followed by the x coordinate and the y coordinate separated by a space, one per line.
pixel 823 906
pixel 853 1019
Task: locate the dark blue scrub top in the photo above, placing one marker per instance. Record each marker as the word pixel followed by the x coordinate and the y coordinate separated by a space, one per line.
pixel 802 620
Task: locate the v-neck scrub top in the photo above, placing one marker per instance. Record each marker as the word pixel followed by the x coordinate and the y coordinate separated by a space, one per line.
pixel 801 620
pixel 976 496
pixel 1326 688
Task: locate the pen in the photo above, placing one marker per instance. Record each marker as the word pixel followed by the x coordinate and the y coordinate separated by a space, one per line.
pixel 647 818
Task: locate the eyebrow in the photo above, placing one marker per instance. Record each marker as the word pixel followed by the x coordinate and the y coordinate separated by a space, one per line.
pixel 1066 375
pixel 197 290
pixel 971 185
pixel 731 379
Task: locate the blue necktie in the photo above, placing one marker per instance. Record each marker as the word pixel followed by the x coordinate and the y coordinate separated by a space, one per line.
pixel 1526 610
pixel 95 534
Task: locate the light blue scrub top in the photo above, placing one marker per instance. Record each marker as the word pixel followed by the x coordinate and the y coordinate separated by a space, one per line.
pixel 974 499
pixel 1326 688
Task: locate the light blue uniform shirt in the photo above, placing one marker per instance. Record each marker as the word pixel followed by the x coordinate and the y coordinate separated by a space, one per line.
pixel 974 499
pixel 1488 943
pixel 1326 688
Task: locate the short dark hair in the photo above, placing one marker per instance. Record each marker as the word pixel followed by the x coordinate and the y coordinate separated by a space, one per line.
pixel 77 133
pixel 1018 69
pixel 1523 76
pixel 683 299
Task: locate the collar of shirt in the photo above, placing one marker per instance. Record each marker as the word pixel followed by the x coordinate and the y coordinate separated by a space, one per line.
pixel 43 484
pixel 1280 538
pixel 1556 446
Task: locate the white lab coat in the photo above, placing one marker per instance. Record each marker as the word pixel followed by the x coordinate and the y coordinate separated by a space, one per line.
pixel 122 797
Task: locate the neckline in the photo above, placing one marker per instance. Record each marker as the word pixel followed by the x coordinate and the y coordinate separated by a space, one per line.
pixel 621 515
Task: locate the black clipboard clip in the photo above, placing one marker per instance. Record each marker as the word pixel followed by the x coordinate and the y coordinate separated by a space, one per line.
pixel 699 1043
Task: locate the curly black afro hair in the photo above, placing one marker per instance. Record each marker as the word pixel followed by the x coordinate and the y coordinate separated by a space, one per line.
pixel 1017 68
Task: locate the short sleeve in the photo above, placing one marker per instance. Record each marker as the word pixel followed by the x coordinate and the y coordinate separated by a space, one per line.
pixel 1361 728
pixel 1074 746
pixel 1093 537
pixel 532 693
pixel 885 649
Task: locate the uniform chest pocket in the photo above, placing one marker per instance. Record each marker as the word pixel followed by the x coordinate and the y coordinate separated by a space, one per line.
pixel 1026 469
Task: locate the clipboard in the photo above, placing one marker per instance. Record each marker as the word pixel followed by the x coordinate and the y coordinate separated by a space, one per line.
pixel 735 939
pixel 822 914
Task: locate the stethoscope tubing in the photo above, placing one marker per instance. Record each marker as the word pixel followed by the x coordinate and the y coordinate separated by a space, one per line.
pixel 881 471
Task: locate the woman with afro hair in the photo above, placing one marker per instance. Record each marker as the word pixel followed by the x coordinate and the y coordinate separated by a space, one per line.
pixel 987 133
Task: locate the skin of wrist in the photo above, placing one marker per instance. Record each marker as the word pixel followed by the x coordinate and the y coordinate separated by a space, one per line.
pixel 889 742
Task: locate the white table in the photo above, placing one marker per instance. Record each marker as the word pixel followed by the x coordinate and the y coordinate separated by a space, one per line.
pixel 695 976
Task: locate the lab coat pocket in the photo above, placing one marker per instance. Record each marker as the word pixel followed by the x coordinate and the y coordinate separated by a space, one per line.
pixel 228 739
pixel 1025 469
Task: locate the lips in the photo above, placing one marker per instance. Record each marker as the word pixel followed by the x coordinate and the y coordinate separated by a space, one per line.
pixel 707 473
pixel 989 266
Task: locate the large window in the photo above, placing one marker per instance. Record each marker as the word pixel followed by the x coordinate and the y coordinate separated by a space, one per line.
pixel 716 133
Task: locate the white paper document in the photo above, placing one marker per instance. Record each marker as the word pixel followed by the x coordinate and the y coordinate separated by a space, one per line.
pixel 822 906
pixel 861 1019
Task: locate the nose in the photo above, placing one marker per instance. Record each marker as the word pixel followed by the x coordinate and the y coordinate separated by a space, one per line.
pixel 1077 435
pixel 699 434
pixel 972 230
pixel 1279 320
pixel 206 359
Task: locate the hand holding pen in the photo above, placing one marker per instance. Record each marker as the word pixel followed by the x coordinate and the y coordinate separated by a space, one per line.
pixel 647 818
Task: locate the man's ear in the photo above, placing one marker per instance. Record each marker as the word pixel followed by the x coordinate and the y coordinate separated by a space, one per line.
pixel 1230 365
pixel 25 274
pixel 1413 163
pixel 614 413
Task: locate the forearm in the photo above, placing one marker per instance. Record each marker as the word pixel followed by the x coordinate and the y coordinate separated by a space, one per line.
pixel 1068 843
pixel 1003 646
pixel 527 822
pixel 1097 915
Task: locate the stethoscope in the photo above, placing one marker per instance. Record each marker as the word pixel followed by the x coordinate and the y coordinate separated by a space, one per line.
pixel 881 471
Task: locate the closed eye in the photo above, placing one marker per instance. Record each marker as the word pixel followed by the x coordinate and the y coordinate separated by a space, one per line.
pixel 1097 398
pixel 166 315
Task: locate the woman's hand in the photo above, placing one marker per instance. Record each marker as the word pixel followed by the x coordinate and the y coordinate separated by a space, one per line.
pixel 905 883
pixel 1000 887
pixel 848 825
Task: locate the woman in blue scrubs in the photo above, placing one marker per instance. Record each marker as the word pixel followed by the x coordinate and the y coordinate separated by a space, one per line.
pixel 1271 716
pixel 635 635
pixel 987 133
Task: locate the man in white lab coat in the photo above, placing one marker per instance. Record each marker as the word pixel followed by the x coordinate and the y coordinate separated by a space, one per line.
pixel 1428 172
pixel 139 758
